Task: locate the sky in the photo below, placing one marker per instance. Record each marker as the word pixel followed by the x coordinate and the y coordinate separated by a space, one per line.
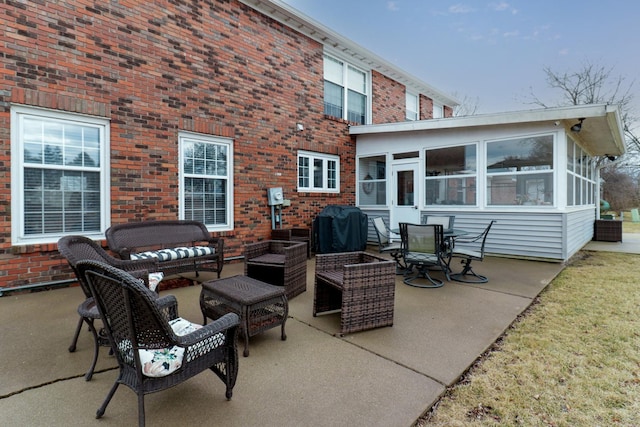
pixel 492 54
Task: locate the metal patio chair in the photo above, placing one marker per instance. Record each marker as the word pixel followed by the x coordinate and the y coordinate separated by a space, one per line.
pixel 469 254
pixel 423 249
pixel 386 246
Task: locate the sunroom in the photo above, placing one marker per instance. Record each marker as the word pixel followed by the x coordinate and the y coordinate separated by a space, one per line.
pixel 536 172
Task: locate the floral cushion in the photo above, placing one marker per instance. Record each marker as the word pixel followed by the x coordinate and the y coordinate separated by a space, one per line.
pixel 164 361
pixel 154 280
pixel 174 253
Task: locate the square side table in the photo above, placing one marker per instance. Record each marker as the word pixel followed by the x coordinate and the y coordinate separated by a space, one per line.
pixel 259 305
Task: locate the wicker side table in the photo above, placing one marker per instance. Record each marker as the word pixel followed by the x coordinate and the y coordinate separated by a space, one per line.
pixel 259 305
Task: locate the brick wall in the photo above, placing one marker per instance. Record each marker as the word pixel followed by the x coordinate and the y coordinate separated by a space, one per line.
pixel 156 69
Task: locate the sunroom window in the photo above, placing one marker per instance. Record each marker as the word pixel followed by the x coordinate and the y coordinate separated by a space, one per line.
pixel 372 182
pixel 60 178
pixel 206 165
pixel 520 171
pixel 580 183
pixel 451 176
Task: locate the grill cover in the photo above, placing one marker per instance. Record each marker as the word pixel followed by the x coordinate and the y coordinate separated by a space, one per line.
pixel 340 229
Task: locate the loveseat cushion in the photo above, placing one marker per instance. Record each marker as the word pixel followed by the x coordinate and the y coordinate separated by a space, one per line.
pixel 174 253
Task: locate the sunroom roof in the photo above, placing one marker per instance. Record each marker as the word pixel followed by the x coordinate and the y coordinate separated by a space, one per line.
pixel 601 134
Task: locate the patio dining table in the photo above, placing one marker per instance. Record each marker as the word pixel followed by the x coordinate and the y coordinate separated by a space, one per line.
pixel 449 236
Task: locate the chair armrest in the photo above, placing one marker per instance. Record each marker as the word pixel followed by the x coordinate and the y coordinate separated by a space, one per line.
pixel 295 251
pixel 221 325
pixel 336 261
pixel 168 306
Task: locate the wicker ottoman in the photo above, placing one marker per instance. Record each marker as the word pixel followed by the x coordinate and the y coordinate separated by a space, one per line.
pixel 261 306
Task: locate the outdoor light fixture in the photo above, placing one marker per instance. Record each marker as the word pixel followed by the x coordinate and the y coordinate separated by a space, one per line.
pixel 578 126
pixel 299 127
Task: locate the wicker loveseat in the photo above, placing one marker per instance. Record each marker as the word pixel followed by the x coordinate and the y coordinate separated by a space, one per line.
pixel 177 245
pixel 360 285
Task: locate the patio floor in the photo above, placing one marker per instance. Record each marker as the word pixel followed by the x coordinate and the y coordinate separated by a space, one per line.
pixel 382 377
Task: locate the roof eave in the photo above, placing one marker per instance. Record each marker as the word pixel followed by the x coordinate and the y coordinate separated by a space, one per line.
pixel 311 28
pixel 603 135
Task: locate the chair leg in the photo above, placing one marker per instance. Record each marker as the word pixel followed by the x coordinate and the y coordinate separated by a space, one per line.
pixel 141 409
pixel 100 411
pixel 467 275
pixel 96 349
pixel 72 347
pixel 423 273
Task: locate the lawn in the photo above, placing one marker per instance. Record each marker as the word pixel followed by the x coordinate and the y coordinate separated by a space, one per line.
pixel 572 359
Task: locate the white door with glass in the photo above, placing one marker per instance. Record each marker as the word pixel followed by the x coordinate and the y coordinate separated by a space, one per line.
pixel 404 194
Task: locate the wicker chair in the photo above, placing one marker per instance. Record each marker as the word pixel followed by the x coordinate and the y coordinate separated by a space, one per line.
pixel 360 285
pixel 295 234
pixel 78 248
pixel 142 333
pixel 278 262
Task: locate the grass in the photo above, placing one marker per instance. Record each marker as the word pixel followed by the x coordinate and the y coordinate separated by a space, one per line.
pixel 573 359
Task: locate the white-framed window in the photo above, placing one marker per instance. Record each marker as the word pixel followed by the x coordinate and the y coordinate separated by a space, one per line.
pixel 318 172
pixel 372 180
pixel 59 175
pixel 345 85
pixel 580 172
pixel 451 176
pixel 412 106
pixel 438 111
pixel 520 171
pixel 206 178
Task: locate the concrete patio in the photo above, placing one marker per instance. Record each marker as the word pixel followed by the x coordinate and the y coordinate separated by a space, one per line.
pixel 383 377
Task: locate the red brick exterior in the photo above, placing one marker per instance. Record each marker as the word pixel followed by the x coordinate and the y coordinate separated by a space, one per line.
pixel 154 69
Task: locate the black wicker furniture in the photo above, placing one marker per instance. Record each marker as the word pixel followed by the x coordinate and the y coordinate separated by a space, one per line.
pixel 177 245
pixel 261 306
pixel 155 348
pixel 295 234
pixel 278 262
pixel 78 248
pixel 360 285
